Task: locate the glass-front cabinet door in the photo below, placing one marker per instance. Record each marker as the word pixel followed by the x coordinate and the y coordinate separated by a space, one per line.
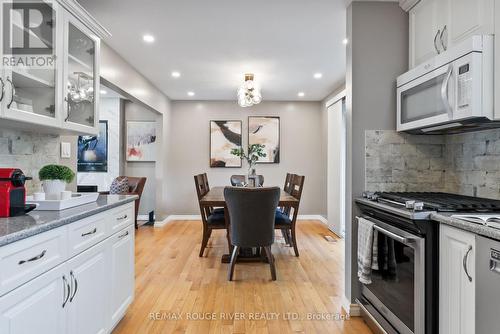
pixel 31 62
pixel 81 77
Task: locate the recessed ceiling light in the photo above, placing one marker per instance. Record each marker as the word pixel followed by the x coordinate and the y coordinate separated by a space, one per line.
pixel 345 41
pixel 190 93
pixel 301 94
pixel 148 38
pixel 176 74
pixel 318 75
pixel 103 92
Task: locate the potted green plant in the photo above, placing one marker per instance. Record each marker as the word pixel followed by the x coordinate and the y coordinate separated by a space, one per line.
pixel 255 151
pixel 55 178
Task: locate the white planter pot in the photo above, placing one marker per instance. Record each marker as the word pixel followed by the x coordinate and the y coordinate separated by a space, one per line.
pixel 53 188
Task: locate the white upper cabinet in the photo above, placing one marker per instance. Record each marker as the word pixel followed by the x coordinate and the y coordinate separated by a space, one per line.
pixel 456 281
pixel 52 75
pixel 436 25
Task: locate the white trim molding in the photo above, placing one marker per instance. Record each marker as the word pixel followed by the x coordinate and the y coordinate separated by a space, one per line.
pixel 336 98
pixel 172 218
pixel 352 309
pixel 84 16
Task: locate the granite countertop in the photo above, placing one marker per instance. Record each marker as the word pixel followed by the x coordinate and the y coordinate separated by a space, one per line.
pixel 17 228
pixel 445 218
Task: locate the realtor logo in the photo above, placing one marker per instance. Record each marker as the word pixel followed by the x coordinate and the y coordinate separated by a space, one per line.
pixel 28 34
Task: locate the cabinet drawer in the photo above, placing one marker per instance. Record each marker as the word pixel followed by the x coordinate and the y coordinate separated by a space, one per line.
pixel 121 217
pixel 86 233
pixel 28 258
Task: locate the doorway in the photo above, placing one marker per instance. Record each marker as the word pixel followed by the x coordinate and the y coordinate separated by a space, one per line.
pixel 337 152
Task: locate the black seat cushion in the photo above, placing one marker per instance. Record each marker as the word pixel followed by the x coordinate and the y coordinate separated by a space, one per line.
pixel 281 219
pixel 218 211
pixel 216 218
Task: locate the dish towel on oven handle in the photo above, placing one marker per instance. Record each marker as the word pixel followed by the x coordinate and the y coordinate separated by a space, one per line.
pixel 365 248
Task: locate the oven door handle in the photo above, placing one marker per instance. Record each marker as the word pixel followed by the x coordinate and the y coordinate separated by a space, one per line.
pixel 393 235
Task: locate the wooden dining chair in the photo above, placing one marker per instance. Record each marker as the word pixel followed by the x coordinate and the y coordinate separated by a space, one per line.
pixel 212 219
pixel 286 219
pixel 251 212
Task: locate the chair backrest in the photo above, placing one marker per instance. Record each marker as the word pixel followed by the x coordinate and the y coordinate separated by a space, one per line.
pixel 135 184
pixel 251 215
pixel 237 180
pixel 288 182
pixel 297 185
pixel 201 183
pixel 202 188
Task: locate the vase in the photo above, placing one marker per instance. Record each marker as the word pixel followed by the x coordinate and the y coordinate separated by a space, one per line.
pixel 53 189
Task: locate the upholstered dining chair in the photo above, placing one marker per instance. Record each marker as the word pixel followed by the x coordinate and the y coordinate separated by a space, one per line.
pixel 251 213
pixel 135 187
pixel 237 180
pixel 212 218
pixel 286 218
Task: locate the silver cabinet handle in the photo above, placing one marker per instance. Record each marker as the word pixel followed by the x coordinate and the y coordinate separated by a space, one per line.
pixel 464 263
pixel 445 45
pixel 12 93
pixel 444 91
pixel 94 231
pixel 73 279
pixel 435 41
pixel 66 293
pixel 3 89
pixel 122 218
pixel 123 235
pixel 34 258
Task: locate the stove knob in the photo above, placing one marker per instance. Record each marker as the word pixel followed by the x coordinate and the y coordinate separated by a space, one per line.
pixel 418 206
pixel 409 204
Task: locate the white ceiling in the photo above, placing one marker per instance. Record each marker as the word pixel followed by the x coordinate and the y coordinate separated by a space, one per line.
pixel 213 43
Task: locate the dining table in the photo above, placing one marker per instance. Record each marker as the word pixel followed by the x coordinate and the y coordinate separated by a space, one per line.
pixel 215 198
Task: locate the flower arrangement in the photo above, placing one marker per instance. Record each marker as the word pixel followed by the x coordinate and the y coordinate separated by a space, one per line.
pixel 255 151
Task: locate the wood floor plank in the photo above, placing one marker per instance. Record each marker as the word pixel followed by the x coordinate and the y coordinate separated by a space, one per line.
pixel 192 294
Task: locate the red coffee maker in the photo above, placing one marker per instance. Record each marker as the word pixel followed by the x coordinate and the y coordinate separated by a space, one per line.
pixel 13 193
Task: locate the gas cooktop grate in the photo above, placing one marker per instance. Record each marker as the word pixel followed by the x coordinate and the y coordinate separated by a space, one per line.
pixel 443 201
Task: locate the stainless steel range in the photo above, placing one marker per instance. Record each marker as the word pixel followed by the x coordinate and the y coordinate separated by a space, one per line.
pixel 403 295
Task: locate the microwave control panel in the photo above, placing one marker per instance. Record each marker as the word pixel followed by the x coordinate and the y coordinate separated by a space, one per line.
pixel 464 86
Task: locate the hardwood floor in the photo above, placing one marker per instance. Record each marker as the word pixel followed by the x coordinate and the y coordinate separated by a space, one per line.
pixel 175 286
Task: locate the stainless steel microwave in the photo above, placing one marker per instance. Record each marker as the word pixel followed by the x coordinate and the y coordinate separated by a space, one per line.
pixel 452 92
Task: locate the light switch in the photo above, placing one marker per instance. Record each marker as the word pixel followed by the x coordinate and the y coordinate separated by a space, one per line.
pixel 65 150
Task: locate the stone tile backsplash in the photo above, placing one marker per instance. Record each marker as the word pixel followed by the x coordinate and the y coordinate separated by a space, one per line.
pixel 28 152
pixel 467 164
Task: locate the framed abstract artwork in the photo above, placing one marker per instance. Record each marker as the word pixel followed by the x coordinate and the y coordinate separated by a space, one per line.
pixel 224 136
pixel 93 151
pixel 141 141
pixel 265 130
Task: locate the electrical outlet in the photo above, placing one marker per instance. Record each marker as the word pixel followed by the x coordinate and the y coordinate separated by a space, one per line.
pixel 65 150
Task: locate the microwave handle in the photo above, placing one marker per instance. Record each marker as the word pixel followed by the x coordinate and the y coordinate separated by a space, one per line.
pixel 444 91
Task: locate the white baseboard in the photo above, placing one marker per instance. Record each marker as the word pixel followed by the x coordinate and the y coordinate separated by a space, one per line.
pixel 198 217
pixel 352 309
pixel 142 217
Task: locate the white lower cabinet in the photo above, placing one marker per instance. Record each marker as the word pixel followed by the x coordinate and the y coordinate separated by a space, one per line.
pixel 89 279
pixel 37 306
pixel 85 294
pixel 122 273
pixel 456 281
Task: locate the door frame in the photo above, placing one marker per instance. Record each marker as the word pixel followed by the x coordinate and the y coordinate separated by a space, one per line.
pixel 340 229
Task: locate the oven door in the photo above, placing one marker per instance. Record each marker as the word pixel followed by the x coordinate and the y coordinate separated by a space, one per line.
pixel 397 290
pixel 427 100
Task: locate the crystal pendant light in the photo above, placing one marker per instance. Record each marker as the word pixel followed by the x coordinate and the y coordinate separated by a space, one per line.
pixel 249 93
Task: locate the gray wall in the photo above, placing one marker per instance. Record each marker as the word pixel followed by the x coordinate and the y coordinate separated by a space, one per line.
pixel 301 150
pixel 137 112
pixel 376 54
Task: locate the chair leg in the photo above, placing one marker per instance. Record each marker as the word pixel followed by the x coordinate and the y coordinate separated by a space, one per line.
pixel 294 241
pixel 204 240
pixel 271 262
pixel 234 256
pixel 286 236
